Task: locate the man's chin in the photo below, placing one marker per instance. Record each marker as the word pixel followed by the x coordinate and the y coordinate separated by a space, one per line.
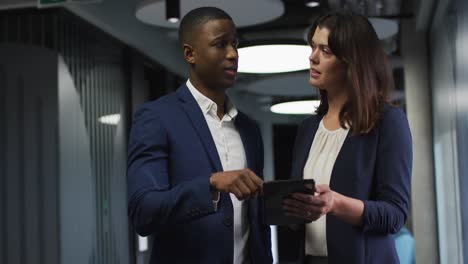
pixel 228 84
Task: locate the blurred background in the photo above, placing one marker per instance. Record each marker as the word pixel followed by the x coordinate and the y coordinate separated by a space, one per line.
pixel 72 72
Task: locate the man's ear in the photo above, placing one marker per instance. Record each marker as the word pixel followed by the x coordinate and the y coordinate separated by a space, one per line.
pixel 189 54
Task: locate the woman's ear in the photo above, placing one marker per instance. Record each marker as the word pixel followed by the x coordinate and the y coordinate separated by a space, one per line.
pixel 189 54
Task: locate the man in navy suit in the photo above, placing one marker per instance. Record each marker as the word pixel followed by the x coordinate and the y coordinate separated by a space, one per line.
pixel 195 162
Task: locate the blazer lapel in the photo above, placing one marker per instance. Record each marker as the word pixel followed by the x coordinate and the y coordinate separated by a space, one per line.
pixel 345 151
pixel 247 139
pixel 304 148
pixel 194 113
pixel 250 148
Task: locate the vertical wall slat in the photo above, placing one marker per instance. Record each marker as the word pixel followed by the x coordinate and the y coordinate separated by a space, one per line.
pixel 107 157
pixel 40 174
pixel 86 103
pixel 31 183
pixel 12 192
pixel 110 134
pixel 21 169
pixel 100 159
pixel 50 185
pixel 3 187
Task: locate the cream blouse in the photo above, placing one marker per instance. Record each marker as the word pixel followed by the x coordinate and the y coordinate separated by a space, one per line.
pixel 319 166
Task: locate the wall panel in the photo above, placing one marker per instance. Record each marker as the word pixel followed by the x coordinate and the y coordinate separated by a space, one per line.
pixel 96 65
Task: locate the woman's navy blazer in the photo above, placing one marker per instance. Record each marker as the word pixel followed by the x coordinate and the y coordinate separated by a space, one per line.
pixel 375 168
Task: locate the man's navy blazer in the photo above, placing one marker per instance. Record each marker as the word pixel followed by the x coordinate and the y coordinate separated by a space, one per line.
pixel 171 157
pixel 375 168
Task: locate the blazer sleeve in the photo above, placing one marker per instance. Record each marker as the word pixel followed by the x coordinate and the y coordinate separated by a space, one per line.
pixel 153 204
pixel 388 211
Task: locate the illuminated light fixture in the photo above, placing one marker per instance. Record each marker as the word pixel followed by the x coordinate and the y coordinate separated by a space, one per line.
pixel 306 107
pixel 173 20
pixel 312 3
pixel 173 11
pixel 274 58
pixel 142 244
pixel 112 119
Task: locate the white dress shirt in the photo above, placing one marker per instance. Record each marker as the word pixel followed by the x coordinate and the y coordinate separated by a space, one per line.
pixel 322 156
pixel 232 155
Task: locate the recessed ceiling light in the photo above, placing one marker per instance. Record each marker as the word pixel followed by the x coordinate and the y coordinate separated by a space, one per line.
pixel 173 19
pixel 173 10
pixel 274 58
pixel 112 119
pixel 296 107
pixel 312 3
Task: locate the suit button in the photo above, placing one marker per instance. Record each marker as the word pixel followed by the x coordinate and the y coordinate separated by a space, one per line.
pixel 228 221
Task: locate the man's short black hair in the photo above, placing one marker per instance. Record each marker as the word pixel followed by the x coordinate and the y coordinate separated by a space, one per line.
pixel 197 17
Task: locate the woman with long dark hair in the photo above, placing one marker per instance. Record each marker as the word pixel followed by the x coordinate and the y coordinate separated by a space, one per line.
pixel 357 148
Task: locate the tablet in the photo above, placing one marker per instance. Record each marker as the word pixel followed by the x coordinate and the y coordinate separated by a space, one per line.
pixel 274 192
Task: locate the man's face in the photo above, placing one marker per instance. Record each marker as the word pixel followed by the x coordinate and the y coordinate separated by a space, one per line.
pixel 215 54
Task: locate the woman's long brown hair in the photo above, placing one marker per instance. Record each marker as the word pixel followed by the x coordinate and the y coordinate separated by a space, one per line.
pixel 354 41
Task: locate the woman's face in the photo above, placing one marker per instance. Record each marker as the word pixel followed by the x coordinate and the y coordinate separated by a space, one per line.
pixel 327 72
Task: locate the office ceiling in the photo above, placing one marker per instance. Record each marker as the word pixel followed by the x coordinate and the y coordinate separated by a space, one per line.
pixel 119 18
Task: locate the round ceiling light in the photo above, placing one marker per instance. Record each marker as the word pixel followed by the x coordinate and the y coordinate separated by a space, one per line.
pixel 273 58
pixel 243 12
pixel 306 107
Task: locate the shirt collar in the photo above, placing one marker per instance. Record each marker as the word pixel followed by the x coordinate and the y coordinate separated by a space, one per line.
pixel 208 106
